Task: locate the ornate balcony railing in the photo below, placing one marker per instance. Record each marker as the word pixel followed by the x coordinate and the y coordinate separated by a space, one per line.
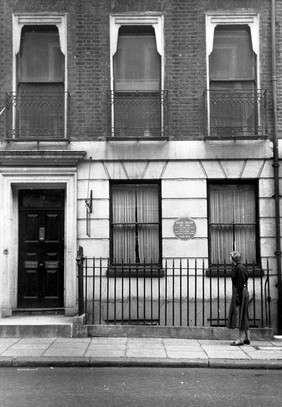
pixel 37 115
pixel 138 114
pixel 236 113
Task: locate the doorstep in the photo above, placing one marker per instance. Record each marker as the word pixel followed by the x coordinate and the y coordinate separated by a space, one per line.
pixel 36 326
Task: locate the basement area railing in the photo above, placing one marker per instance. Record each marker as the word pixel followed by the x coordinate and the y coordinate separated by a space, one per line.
pixel 185 293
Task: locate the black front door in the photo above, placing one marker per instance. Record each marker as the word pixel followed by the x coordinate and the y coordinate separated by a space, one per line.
pixel 41 249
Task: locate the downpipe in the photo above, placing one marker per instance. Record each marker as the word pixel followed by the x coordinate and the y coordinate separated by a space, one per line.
pixel 276 164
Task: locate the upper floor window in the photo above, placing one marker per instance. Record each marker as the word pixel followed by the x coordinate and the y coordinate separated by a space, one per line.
pixel 236 107
pixel 137 97
pixel 38 103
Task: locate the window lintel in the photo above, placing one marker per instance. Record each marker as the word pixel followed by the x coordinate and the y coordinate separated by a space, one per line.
pixel 21 20
pixel 156 21
pixel 250 19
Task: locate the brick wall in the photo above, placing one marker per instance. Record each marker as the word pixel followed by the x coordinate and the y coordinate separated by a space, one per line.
pixel 89 59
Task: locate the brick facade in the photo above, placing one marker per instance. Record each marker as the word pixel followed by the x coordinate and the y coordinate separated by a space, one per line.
pixel 89 58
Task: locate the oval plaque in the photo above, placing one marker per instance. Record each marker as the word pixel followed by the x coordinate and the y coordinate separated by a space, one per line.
pixel 184 228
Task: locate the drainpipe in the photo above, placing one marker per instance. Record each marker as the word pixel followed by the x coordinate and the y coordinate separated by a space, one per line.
pixel 276 163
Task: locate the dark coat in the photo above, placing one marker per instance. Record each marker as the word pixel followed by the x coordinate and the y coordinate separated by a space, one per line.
pixel 239 277
pixel 240 296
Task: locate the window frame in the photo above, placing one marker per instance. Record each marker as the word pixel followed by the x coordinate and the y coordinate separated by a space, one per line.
pixel 234 19
pixel 222 182
pixel 120 20
pixel 40 19
pixel 135 269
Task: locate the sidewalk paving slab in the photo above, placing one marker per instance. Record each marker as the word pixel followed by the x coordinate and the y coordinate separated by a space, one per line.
pixel 138 352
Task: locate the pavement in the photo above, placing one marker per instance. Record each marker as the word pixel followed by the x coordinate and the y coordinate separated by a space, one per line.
pixel 138 352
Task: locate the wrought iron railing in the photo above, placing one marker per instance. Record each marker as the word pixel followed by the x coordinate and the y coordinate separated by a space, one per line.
pixel 185 293
pixel 236 113
pixel 138 114
pixel 37 115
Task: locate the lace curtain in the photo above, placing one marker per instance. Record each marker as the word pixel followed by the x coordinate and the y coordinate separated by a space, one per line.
pixel 232 221
pixel 135 222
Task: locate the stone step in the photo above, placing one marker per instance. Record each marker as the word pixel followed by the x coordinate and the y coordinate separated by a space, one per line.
pixel 38 311
pixel 36 326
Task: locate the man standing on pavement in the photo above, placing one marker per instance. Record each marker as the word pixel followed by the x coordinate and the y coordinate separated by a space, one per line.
pixel 239 300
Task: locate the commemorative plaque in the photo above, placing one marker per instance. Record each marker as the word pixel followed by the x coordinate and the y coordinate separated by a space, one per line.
pixel 184 228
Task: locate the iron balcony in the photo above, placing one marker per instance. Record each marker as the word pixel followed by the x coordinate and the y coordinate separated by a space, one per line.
pixel 236 114
pixel 37 116
pixel 138 114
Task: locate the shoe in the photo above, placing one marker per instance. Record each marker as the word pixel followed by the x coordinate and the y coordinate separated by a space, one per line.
pixel 236 343
pixel 247 342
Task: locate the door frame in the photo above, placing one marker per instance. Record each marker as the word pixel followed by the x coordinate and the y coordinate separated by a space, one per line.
pixel 37 178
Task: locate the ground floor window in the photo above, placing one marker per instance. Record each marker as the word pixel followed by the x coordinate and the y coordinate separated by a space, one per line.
pixel 135 223
pixel 233 221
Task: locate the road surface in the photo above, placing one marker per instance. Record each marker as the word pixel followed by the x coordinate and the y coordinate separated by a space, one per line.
pixel 134 387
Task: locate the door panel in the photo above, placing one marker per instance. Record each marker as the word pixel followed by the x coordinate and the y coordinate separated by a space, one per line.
pixel 41 253
pixel 31 227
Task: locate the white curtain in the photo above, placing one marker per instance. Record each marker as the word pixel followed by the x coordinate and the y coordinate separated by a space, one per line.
pixel 232 221
pixel 148 216
pixel 135 220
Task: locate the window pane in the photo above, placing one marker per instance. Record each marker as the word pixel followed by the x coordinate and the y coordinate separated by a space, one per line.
pixel 246 235
pixel 148 236
pixel 148 212
pixel 135 223
pixel 41 59
pixel 123 204
pixel 232 221
pixel 232 203
pixel 221 239
pixel 148 203
pixel 137 62
pixel 232 56
pixel 124 244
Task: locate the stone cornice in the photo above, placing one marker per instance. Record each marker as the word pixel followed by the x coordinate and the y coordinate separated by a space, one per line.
pixel 42 158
